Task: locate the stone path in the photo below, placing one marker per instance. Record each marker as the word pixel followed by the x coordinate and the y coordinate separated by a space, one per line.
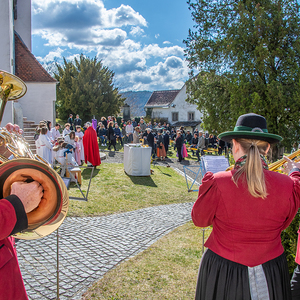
pixel 91 246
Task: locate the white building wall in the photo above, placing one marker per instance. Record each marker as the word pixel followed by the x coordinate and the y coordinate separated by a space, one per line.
pixel 23 21
pixel 6 25
pixel 6 49
pixel 180 106
pixel 37 104
pixel 183 107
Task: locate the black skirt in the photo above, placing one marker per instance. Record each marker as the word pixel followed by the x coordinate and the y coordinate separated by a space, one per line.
pixel 222 279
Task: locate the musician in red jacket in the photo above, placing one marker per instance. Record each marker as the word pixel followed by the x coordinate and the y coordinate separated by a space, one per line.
pixel 248 207
pixel 13 209
pixel 24 198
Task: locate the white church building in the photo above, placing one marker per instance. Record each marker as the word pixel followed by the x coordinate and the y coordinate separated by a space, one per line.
pixel 16 58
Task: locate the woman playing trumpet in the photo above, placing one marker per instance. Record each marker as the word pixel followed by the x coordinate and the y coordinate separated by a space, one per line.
pixel 248 207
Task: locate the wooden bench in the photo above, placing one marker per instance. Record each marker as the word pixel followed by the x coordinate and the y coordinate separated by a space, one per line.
pixel 76 172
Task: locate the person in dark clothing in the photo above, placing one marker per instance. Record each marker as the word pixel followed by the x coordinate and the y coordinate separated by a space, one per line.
pixel 221 146
pixel 77 121
pixel 111 136
pixel 211 141
pixel 104 122
pixel 70 121
pixel 134 123
pixel 167 141
pixel 118 133
pixel 178 145
pixel 150 141
pixel 194 142
pixel 188 137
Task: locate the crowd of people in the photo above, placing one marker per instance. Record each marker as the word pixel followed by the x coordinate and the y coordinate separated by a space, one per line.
pixel 79 144
pixel 157 135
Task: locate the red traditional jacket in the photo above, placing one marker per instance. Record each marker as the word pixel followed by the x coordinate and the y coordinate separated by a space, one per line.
pixel 12 219
pixel 246 229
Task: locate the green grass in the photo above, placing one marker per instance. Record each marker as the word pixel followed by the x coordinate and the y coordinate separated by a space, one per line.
pixel 112 191
pixel 166 270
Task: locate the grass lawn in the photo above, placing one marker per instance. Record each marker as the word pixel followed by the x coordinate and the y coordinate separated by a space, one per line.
pixel 166 270
pixel 112 191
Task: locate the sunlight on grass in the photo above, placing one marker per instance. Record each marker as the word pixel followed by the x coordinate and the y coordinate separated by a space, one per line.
pixel 166 270
pixel 112 191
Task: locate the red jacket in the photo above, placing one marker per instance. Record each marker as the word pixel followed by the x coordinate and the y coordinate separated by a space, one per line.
pixel 12 219
pixel 246 229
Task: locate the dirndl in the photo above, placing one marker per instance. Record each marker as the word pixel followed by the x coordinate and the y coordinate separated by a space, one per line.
pixel 161 152
pixel 222 279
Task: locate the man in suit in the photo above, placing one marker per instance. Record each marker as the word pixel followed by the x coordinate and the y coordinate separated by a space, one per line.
pixel 77 121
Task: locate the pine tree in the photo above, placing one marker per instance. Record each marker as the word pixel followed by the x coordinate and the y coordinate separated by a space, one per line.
pixel 86 88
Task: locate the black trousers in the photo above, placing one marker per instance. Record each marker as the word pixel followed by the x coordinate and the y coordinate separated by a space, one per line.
pixel 179 153
pixel 295 284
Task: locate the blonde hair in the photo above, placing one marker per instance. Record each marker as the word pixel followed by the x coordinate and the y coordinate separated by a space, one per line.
pixel 253 168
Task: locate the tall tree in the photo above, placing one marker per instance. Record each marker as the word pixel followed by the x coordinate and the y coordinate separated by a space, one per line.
pixel 249 56
pixel 86 88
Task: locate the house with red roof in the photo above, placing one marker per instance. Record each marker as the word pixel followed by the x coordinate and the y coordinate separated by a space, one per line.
pixel 171 106
pixel 16 58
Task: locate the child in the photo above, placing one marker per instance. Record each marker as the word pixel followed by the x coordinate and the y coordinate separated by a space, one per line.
pixel 77 150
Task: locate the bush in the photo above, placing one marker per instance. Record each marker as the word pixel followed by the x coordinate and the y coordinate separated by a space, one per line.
pixel 289 239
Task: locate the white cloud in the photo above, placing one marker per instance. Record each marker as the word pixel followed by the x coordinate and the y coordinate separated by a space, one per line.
pixel 137 30
pixel 88 27
pixel 51 56
pixel 83 14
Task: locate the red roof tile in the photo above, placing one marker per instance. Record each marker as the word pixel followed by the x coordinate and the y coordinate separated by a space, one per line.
pixel 26 65
pixel 159 98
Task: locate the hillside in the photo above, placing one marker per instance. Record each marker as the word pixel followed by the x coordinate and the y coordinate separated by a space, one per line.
pixel 136 101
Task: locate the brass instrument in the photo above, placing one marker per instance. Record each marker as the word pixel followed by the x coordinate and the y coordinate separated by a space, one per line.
pixel 277 164
pixel 18 163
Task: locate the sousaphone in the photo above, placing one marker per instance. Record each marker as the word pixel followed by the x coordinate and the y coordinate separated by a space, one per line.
pixel 18 163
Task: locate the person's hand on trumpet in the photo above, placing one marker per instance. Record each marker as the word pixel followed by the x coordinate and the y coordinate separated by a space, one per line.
pixel 289 165
pixel 30 194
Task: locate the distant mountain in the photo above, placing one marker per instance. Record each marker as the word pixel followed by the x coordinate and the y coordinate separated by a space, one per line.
pixel 136 101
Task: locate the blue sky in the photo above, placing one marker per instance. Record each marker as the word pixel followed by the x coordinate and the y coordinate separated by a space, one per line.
pixel 141 41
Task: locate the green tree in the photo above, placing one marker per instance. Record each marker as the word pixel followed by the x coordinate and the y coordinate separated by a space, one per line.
pixel 86 88
pixel 249 56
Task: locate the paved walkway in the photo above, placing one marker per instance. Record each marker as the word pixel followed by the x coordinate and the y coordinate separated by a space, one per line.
pixel 91 246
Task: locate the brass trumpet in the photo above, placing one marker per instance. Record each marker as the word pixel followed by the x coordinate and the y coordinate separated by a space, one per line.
pixel 18 163
pixel 277 164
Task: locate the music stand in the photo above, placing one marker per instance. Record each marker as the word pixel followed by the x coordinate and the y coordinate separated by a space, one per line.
pixel 189 169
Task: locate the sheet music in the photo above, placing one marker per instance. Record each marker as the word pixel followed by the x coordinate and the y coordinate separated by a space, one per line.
pixel 214 164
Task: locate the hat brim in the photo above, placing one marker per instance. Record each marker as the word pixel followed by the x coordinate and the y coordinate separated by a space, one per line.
pixel 268 137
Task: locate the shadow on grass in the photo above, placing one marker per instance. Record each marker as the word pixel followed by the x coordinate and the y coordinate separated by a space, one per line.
pixel 86 173
pixel 142 180
pixel 166 174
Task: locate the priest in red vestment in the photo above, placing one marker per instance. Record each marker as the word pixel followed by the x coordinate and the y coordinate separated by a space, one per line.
pixel 91 148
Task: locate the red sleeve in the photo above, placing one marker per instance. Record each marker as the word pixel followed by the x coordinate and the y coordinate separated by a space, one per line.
pixel 296 195
pixel 13 218
pixel 205 207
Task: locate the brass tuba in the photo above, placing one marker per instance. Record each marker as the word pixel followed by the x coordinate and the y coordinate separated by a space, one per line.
pixel 18 163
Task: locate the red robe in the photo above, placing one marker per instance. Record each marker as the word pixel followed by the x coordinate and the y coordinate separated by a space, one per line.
pixel 12 219
pixel 91 148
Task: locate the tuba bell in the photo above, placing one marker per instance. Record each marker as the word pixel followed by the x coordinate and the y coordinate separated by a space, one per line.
pixel 18 163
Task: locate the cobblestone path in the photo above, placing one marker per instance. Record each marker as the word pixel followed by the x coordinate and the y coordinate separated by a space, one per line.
pixel 91 246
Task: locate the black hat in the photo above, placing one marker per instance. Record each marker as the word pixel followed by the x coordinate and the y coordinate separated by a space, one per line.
pixel 251 126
